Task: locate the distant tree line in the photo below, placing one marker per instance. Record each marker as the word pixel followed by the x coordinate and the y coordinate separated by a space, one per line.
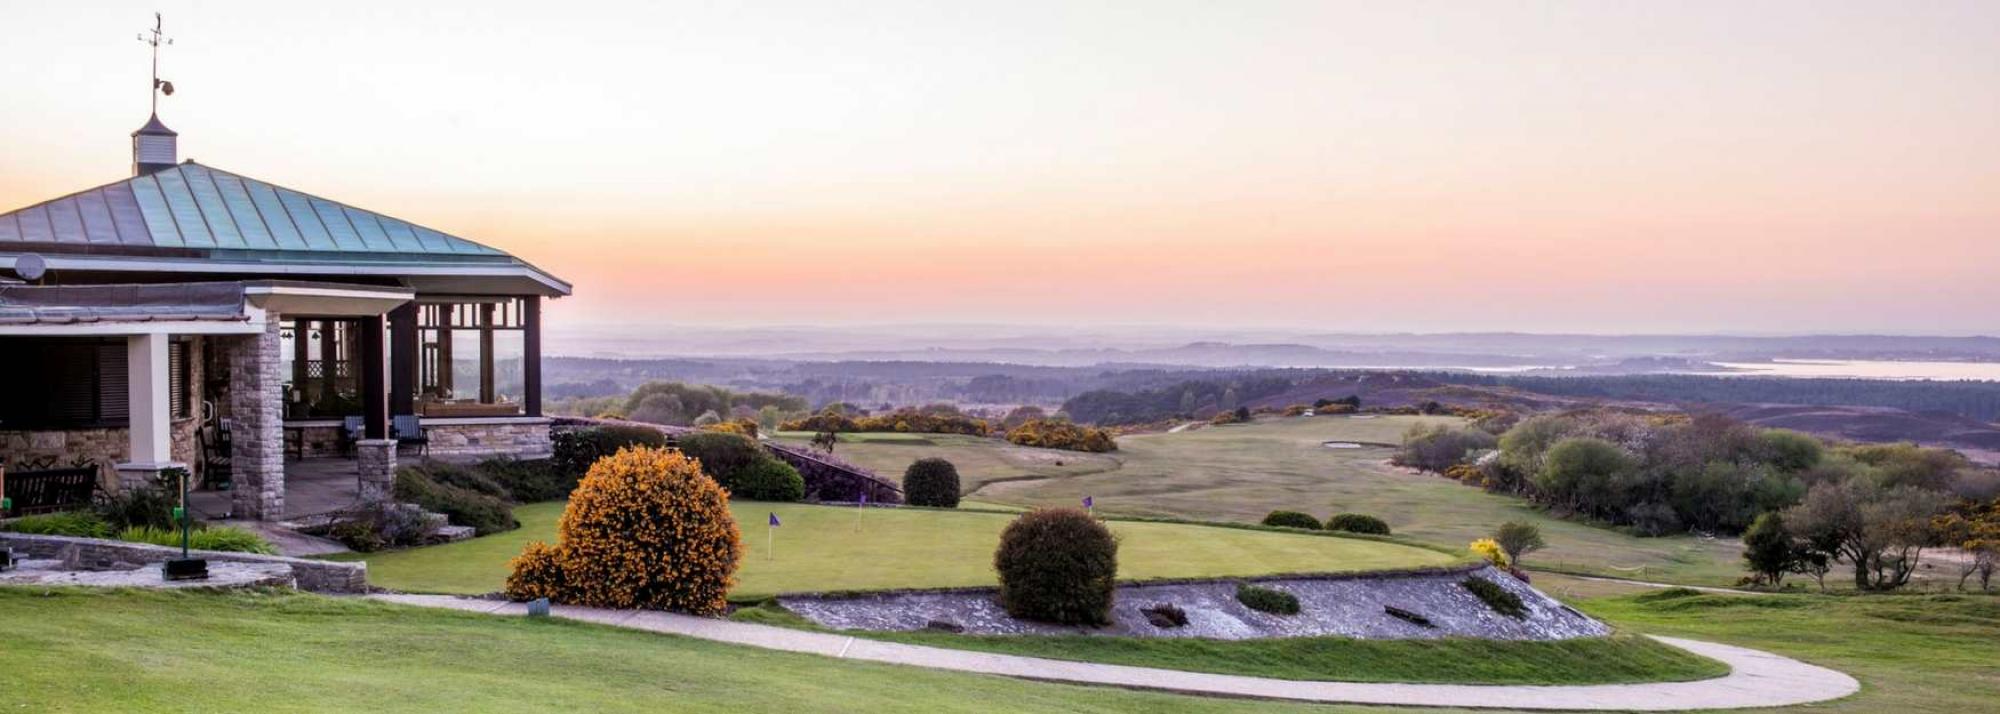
pixel 1190 399
pixel 1976 399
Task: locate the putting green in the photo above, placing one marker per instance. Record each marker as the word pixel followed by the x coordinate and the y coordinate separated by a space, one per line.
pixel 827 548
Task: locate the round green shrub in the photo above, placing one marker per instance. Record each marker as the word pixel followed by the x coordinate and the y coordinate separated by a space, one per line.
pixel 1292 519
pixel 1357 523
pixel 722 455
pixel 1496 597
pixel 931 482
pixel 1057 565
pixel 768 480
pixel 1263 599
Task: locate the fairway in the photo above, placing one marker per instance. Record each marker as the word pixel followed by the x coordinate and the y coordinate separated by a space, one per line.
pixel 1239 473
pixel 827 548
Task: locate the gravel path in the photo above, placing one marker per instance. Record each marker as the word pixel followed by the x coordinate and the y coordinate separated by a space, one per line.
pixel 1344 605
pixel 1757 679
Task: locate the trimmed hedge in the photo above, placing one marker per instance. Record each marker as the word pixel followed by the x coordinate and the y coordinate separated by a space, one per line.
pixel 1057 565
pixel 485 513
pixel 742 466
pixel 1263 599
pixel 1496 597
pixel 1292 519
pixel 931 482
pixel 576 450
pixel 528 481
pixel 1357 523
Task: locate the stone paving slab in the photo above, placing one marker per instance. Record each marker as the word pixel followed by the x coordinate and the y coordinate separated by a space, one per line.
pixel 1756 679
pixel 221 575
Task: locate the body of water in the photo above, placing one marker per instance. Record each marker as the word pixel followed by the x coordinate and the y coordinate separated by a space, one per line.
pixel 1869 369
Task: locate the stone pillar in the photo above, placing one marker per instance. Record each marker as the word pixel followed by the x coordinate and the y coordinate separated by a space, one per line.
pixel 257 403
pixel 376 460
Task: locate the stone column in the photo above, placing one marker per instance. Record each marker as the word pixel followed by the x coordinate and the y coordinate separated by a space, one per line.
pixel 376 460
pixel 257 403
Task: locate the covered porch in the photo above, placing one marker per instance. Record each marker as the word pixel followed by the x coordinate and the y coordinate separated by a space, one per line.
pixel 136 381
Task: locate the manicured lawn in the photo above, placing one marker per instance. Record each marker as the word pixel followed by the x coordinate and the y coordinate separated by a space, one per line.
pixel 824 548
pixel 1620 658
pixel 110 651
pixel 1912 653
pixel 1239 473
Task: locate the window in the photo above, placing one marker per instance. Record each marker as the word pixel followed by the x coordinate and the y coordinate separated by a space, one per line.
pixel 62 384
pixel 470 357
pixel 178 399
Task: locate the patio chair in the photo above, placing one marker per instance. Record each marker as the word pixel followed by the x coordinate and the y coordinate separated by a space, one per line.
pixel 217 466
pixel 350 432
pixel 409 431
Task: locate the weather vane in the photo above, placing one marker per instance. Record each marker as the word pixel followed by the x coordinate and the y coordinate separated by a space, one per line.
pixel 159 85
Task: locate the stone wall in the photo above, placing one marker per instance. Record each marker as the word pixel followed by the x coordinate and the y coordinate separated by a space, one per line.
pixel 519 437
pixel 314 575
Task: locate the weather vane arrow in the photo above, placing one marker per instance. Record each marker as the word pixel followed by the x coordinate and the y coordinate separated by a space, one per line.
pixel 160 86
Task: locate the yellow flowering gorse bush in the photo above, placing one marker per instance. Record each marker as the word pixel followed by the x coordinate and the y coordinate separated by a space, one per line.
pixel 645 528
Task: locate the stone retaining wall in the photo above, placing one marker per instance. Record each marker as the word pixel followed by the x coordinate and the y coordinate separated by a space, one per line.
pixel 313 575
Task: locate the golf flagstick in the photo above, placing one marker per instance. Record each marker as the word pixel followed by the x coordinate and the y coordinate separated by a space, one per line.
pixel 771 538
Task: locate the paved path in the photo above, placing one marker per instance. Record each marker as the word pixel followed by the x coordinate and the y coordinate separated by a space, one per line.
pixel 1757 679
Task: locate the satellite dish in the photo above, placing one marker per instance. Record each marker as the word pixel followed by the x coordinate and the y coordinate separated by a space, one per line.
pixel 30 266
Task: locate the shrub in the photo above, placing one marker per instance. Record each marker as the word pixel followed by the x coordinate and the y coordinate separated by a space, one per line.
pixel 1263 599
pixel 449 474
pixel 739 427
pixel 644 529
pixel 375 526
pixel 769 480
pixel 528 481
pixel 1357 523
pixel 1238 415
pixel 1438 447
pixel 576 450
pixel 140 508
pixel 1059 434
pixel 1490 550
pixel 1057 565
pixel 1496 597
pixel 466 507
pixel 223 538
pixel 536 573
pixel 81 524
pixel 1292 519
pixel 931 482
pixel 722 456
pixel 1165 615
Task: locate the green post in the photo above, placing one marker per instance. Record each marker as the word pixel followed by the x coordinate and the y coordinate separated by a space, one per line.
pixel 181 514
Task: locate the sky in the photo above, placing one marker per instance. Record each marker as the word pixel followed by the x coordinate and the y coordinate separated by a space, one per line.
pixel 1610 167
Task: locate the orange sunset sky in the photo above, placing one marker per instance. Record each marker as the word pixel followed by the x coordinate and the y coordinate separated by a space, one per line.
pixel 1587 166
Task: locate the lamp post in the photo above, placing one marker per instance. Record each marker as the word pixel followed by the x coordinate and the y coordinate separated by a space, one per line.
pixel 186 568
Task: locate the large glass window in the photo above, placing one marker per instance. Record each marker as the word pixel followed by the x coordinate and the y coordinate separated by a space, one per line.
pixel 470 354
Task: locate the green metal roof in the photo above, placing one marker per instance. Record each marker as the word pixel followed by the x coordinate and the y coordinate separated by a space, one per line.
pixel 194 206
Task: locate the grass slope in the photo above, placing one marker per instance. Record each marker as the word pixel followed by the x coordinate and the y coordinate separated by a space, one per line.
pixel 822 548
pixel 1617 659
pixel 1912 653
pixel 1241 472
pixel 127 651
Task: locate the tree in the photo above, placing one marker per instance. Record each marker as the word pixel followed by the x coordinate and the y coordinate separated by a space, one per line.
pixel 1519 539
pixel 1881 532
pixel 1229 398
pixel 1768 549
pixel 1578 472
pixel 1976 531
pixel 1188 402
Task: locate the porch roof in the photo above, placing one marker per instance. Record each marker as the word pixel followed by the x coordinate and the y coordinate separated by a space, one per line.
pixel 200 307
pixel 195 218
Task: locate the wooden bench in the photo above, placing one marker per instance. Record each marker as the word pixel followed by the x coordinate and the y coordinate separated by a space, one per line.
pixel 50 490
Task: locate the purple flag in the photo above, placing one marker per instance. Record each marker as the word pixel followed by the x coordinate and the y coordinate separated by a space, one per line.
pixel 774 521
pixel 1086 502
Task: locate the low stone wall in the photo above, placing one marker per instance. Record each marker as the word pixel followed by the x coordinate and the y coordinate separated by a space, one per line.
pixel 103 448
pixel 313 575
pixel 519 437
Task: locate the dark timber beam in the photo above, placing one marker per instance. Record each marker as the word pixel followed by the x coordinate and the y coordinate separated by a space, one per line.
pixel 486 394
pixel 374 382
pixel 531 355
pixel 403 359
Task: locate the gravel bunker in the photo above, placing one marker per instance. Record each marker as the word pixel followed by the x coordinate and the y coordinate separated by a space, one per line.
pixel 1358 606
